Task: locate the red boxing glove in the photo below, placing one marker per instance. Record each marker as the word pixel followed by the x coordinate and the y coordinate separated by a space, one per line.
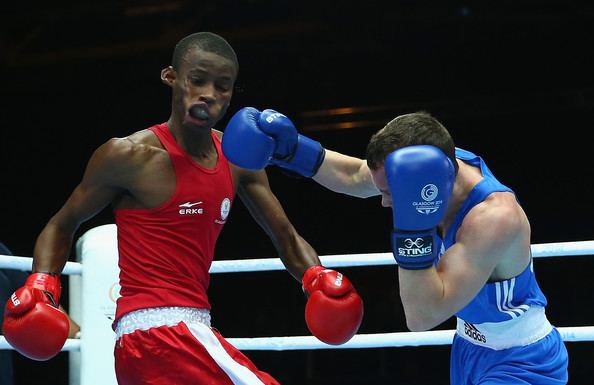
pixel 334 310
pixel 33 325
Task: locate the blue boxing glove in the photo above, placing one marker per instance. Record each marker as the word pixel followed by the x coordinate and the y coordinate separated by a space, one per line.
pixel 249 128
pixel 420 179
pixel 244 144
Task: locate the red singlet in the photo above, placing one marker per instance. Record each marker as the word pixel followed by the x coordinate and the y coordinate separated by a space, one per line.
pixel 165 253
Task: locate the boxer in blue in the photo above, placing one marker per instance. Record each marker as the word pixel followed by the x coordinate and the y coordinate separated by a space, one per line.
pixel 460 238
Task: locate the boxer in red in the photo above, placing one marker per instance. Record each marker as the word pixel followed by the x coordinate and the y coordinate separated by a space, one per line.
pixel 172 190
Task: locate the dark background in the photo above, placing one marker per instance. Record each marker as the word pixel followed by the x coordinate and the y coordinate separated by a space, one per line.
pixel 511 80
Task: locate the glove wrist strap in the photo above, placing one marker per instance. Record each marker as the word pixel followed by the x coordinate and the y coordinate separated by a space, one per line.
pixel 307 158
pixel 310 276
pixel 415 250
pixel 50 283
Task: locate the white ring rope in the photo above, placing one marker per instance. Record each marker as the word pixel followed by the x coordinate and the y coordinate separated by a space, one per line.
pixel 71 345
pixel 360 341
pixel 436 337
pixel 25 264
pixel 542 250
pixel 382 340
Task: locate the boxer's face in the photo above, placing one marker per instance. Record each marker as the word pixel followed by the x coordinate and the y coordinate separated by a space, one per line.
pixel 204 83
pixel 379 179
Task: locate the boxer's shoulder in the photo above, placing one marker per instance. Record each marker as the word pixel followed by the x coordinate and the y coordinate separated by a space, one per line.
pixel 138 147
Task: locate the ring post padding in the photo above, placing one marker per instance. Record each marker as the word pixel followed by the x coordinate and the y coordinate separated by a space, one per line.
pixel 75 312
pixel 97 250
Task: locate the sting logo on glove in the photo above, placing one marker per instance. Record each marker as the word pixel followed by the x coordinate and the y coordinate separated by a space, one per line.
pixel 417 247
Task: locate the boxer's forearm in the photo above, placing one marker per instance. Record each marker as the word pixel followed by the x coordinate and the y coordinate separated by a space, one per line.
pixel 346 174
pixel 52 248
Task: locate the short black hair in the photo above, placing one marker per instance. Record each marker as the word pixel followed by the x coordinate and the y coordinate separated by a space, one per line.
pixel 206 41
pixel 409 130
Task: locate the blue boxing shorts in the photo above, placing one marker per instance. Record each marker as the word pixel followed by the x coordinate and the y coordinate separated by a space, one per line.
pixel 482 355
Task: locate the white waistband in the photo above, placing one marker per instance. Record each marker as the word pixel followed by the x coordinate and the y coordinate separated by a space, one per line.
pixel 145 319
pixel 524 330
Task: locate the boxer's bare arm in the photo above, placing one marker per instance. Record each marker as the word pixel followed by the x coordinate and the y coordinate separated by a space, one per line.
pixel 346 174
pixel 296 254
pixel 108 174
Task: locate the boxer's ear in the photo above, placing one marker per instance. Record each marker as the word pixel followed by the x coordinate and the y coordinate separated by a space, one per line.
pixel 168 75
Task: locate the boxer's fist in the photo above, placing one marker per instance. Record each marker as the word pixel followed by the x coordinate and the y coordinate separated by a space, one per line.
pixel 244 143
pixel 283 131
pixel 293 151
pixel 334 310
pixel 255 139
pixel 33 325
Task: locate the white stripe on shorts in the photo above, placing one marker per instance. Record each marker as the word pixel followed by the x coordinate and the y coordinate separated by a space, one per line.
pixel 239 374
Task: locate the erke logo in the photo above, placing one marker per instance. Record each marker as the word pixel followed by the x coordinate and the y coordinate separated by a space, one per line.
pixel 188 208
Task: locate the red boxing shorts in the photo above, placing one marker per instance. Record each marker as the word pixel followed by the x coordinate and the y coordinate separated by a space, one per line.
pixel 186 353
